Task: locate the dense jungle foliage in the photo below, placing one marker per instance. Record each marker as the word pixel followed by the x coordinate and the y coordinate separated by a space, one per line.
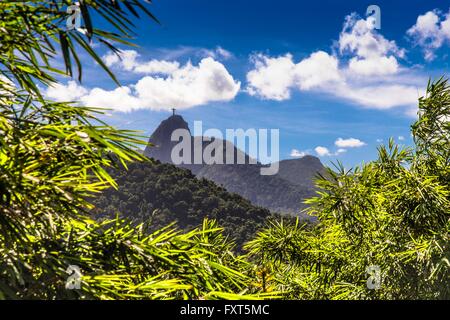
pixel 391 215
pixel 159 194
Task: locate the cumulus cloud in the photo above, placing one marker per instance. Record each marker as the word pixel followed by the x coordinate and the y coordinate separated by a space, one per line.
pixel 70 92
pixel 431 31
pixel 273 78
pixel 349 143
pixel 120 99
pixel 157 66
pixel 373 54
pixel 189 86
pixel 325 152
pixel 132 61
pixel 183 87
pixel 319 69
pixel 127 60
pixel 374 66
pixel 295 153
pixel 322 151
pixel 365 71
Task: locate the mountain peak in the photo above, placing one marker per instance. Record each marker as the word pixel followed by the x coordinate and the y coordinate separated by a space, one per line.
pixel 161 138
pixel 170 124
pixel 311 160
pixel 301 171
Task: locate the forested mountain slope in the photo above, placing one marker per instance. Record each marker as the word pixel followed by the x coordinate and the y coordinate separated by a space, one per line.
pixel 160 193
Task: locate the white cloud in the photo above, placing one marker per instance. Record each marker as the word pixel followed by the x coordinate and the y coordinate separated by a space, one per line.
pixel 325 152
pixel 317 70
pixel 184 87
pixel 224 53
pixel 343 144
pixel 349 143
pixel 298 154
pixel 119 99
pixel 401 138
pixel 322 151
pixel 373 54
pixel 217 53
pixel 189 86
pixel 273 78
pixel 130 60
pixel 374 77
pixel 70 92
pixel 367 72
pixel 374 66
pixel 431 31
pixel 127 60
pixel 157 66
pixel 380 96
pixel 357 37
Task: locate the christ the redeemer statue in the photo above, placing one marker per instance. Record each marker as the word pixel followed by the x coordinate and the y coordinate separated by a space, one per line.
pixel 173 111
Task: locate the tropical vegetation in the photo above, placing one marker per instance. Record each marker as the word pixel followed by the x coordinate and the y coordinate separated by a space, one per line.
pixel 382 229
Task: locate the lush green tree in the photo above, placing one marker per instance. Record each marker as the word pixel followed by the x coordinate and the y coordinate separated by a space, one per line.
pixel 392 214
pixel 55 156
pixel 160 193
pixel 34 32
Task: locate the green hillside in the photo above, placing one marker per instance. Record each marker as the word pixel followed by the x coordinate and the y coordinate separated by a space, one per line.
pixel 159 194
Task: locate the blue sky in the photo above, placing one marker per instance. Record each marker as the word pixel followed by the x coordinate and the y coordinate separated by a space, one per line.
pixel 315 70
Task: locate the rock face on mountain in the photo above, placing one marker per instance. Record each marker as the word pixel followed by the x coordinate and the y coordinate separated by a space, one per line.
pixel 271 192
pixel 283 192
pixel 160 144
pixel 302 171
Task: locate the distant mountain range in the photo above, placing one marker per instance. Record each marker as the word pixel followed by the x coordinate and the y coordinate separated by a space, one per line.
pixel 283 192
pixel 237 196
